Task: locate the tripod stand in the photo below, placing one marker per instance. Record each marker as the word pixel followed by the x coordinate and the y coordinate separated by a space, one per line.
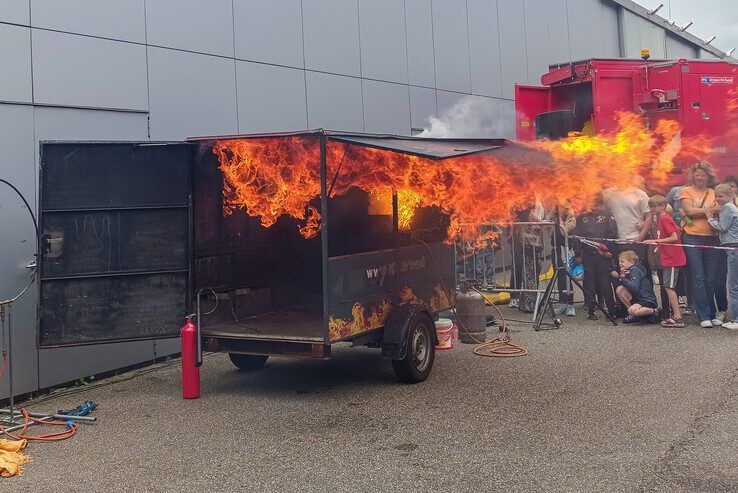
pixel 546 300
pixel 560 270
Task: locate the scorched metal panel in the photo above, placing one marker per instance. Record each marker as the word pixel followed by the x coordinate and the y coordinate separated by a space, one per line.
pixel 114 259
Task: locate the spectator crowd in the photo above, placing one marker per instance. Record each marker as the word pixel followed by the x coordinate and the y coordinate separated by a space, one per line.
pixel 631 246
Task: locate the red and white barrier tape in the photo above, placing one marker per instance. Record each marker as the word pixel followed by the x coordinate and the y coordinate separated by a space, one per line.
pixel 589 242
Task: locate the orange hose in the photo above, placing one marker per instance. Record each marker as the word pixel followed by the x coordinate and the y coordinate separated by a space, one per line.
pixel 52 437
pixel 499 347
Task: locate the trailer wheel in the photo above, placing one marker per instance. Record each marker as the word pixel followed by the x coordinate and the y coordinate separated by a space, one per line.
pixel 420 351
pixel 247 362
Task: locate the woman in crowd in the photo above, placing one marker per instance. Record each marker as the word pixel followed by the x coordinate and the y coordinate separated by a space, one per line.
pixel 698 200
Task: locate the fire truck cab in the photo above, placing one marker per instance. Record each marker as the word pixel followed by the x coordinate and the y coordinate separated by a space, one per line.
pixel 586 95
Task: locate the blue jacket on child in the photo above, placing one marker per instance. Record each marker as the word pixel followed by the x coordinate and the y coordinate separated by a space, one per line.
pixel 639 285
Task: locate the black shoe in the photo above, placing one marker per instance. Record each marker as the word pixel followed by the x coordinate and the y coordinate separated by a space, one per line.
pixel 654 318
pixel 630 319
pixel 591 316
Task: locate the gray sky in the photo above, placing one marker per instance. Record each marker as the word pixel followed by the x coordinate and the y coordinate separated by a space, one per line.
pixel 711 18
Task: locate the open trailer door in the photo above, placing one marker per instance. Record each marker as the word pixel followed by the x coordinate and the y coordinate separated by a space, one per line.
pixel 114 242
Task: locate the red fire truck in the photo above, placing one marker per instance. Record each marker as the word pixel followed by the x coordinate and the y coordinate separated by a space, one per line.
pixel 586 95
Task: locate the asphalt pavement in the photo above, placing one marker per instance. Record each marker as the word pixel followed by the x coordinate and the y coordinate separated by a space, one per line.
pixel 591 408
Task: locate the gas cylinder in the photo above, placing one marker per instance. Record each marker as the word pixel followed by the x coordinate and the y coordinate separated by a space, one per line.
pixel 470 311
pixel 190 370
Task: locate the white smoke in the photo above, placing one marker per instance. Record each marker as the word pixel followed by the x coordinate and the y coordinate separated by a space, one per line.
pixel 473 117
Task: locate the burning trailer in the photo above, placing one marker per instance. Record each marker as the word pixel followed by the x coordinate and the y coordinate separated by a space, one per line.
pixel 283 243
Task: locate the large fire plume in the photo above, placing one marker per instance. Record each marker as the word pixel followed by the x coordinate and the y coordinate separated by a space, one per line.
pixel 272 177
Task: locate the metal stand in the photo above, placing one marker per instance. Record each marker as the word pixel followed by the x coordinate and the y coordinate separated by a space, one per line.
pixel 546 301
pixel 7 352
pixel 560 270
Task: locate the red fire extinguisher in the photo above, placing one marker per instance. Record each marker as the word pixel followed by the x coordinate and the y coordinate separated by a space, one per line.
pixel 190 370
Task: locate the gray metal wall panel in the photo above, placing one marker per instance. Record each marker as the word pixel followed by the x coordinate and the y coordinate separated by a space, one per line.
pixel 15 60
pixel 166 347
pixel 676 48
pixel 536 39
pixel 445 101
pixel 270 99
pixel 334 102
pixel 60 365
pixel 76 124
pixel 82 71
pixel 482 116
pixel 586 38
pixel 117 19
pixel 269 31
pixel 504 126
pixel 16 11
pixel 386 108
pixel 24 354
pixel 638 33
pixel 383 45
pixel 558 34
pixel 451 45
pixel 17 243
pixel 420 59
pixel 512 46
pixel 205 27
pixel 484 48
pixel 706 55
pixel 422 106
pixel 191 94
pixel 610 29
pixel 331 33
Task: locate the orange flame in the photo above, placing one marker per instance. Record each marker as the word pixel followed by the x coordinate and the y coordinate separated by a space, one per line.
pixel 271 177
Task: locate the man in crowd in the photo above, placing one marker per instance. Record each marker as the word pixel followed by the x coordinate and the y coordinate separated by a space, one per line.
pixel 629 207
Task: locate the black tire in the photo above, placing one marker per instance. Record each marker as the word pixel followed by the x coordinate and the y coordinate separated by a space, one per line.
pixel 420 351
pixel 247 362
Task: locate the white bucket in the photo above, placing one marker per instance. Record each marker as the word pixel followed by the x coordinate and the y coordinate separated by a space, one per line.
pixel 444 328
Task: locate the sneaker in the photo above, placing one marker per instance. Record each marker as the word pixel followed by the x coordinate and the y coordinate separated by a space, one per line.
pixel 591 316
pixel 513 303
pixel 721 316
pixel 706 324
pixel 654 318
pixel 630 319
pixel 570 311
pixel 731 325
pixel 560 310
pixel 716 322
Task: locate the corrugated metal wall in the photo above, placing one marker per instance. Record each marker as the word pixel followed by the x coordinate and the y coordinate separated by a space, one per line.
pixel 160 69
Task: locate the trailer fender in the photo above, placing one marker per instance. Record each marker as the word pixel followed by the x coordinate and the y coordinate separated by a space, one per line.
pixel 394 339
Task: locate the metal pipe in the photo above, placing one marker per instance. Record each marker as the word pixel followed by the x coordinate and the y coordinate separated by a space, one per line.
pixel 48 415
pixel 324 232
pixel 10 357
pixel 20 426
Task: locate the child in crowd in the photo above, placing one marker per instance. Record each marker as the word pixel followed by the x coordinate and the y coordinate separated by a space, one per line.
pixel 671 258
pixel 597 263
pixel 635 289
pixel 727 227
